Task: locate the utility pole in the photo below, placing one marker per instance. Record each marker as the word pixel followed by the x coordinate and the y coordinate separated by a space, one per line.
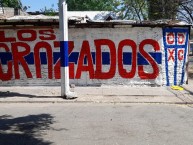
pixel 63 27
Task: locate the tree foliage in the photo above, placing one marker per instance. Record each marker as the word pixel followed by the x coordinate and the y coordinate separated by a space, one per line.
pixel 91 5
pixel 163 9
pixel 139 9
pixel 49 11
pixel 127 9
pixel 11 3
pixel 133 9
pixel 185 11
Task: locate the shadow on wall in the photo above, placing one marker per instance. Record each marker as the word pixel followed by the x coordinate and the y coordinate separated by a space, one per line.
pixel 25 130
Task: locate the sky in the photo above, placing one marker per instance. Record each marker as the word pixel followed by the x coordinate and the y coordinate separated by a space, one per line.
pixel 36 5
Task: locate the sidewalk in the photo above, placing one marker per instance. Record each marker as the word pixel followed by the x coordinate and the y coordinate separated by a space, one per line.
pixel 104 94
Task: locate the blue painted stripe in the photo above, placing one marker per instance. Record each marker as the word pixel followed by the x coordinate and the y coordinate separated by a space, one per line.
pixel 166 58
pixel 64 53
pixel 176 60
pixel 156 56
pixel 5 57
pixel 174 46
pixel 30 58
pixel 74 57
pixel 175 66
pixel 127 58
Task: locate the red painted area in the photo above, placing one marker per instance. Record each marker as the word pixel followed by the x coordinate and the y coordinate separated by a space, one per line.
pixel 85 53
pixel 170 38
pixel 47 34
pixel 122 71
pixel 48 49
pixel 142 73
pixel 171 54
pixel 3 38
pixel 96 71
pixel 32 35
pixel 18 58
pixel 57 73
pixel 71 65
pixel 99 74
pixel 181 38
pixel 180 54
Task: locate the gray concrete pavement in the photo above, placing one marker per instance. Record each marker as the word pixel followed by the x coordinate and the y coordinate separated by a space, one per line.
pixel 95 124
pixel 104 94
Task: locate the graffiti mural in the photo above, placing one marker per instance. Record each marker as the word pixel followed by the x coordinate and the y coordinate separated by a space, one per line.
pixel 176 47
pixel 125 56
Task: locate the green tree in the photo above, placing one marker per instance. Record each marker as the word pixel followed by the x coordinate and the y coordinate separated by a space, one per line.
pixel 11 3
pixel 133 9
pixel 155 9
pixel 185 11
pixel 127 9
pixel 163 9
pixel 92 5
pixel 49 11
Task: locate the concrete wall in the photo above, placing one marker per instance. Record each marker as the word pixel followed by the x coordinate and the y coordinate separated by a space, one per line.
pixel 10 12
pixel 98 56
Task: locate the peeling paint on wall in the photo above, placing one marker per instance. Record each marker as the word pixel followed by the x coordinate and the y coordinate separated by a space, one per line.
pixel 97 56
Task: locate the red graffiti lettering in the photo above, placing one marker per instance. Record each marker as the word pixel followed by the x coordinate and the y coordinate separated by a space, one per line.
pixel 88 63
pixel 57 68
pixel 47 34
pixel 27 35
pixel 181 38
pixel 48 49
pixel 57 73
pixel 123 72
pixel 8 75
pixel 71 65
pixel 142 73
pixel 85 54
pixel 4 39
pixel 181 54
pixel 99 74
pixel 18 58
pixel 171 54
pixel 170 38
